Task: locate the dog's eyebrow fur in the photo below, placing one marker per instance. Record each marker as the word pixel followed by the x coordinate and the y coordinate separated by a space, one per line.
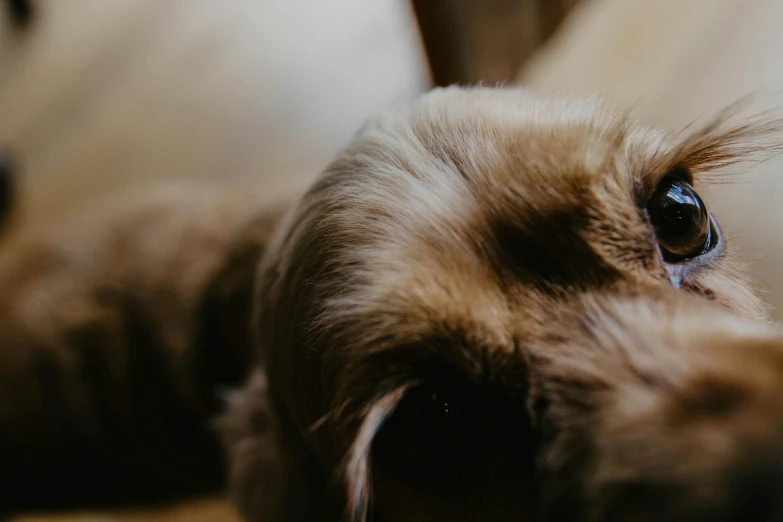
pixel 720 143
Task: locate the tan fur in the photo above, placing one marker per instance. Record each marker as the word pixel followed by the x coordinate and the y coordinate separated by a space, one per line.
pixel 485 239
pixel 412 250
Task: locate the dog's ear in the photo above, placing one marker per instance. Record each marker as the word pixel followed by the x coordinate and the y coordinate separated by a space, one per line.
pixel 357 467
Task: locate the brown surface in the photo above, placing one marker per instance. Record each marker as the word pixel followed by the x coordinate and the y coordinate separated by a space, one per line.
pixel 471 41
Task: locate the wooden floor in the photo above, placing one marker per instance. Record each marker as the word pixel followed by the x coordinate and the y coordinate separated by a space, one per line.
pixel 207 510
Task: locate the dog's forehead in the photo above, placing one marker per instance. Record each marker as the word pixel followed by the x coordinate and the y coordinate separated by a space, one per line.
pixel 489 133
pixel 470 203
pixel 507 151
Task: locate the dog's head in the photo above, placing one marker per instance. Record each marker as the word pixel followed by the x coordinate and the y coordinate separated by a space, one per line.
pixel 496 307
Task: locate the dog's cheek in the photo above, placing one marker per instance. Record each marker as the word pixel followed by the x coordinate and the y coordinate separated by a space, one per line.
pixel 730 288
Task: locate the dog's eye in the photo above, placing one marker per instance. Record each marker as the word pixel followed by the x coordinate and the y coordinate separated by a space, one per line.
pixel 429 412
pixel 680 219
pixel 445 432
pixel 427 429
pixel 443 406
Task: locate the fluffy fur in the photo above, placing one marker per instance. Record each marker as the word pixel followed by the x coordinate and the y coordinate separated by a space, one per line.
pixel 487 246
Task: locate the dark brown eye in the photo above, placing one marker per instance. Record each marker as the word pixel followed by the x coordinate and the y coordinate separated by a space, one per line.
pixel 444 433
pixel 680 219
pixel 427 415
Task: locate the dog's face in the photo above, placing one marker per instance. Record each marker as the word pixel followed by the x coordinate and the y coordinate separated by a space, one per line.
pixel 494 307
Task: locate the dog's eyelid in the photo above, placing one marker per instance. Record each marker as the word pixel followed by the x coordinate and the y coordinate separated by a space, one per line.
pixel 682 173
pixel 653 177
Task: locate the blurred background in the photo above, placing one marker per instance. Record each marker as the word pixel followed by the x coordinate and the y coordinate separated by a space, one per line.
pixel 100 95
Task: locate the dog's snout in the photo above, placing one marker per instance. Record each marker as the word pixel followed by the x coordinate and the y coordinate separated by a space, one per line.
pixel 733 411
pixel 686 404
pixel 712 397
pixel 757 495
pixel 749 489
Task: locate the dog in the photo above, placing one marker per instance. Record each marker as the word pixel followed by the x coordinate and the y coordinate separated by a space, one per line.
pixel 491 306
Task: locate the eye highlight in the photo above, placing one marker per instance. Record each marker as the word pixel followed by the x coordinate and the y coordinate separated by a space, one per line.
pixel 682 224
pixel 428 425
